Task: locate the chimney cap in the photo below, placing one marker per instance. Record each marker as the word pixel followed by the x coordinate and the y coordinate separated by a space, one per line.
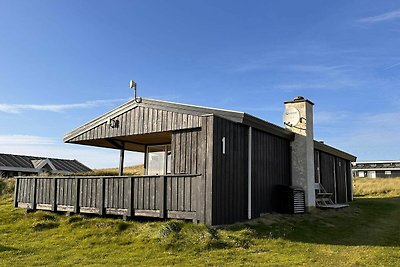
pixel 299 99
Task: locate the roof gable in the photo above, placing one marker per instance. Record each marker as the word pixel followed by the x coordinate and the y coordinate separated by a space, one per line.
pixel 10 162
pixel 158 114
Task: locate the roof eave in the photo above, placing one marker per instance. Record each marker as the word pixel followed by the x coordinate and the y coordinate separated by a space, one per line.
pixel 334 151
pixel 267 127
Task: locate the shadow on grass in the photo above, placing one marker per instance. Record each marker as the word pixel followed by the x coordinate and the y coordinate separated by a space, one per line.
pixel 5 248
pixel 368 221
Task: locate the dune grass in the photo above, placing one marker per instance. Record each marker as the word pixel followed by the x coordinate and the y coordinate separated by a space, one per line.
pixel 130 170
pixel 365 234
pixel 377 187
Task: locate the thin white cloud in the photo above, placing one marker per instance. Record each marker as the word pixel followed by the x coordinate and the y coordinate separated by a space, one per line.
pixel 17 139
pixel 392 66
pixel 18 108
pixel 392 15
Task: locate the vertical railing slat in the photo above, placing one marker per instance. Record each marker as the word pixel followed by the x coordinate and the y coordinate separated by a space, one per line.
pixel 162 196
pixel 54 197
pixel 16 192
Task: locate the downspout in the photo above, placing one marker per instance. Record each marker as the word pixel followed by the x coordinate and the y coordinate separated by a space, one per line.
pixel 249 210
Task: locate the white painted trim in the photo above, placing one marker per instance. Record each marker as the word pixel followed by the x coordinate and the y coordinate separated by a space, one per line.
pixel 249 209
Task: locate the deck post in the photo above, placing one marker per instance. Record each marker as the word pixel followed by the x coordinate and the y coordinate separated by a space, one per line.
pixel 121 160
pixel 77 195
pixel 130 196
pixel 54 192
pixel 16 192
pixel 33 194
pixel 102 187
pixel 162 197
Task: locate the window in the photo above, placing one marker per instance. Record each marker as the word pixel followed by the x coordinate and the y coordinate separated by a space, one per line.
pixel 388 172
pixel 158 160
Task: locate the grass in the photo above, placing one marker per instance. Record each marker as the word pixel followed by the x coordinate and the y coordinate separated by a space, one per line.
pixel 130 170
pixel 373 187
pixel 365 234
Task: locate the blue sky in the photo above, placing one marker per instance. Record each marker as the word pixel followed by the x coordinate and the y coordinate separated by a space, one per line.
pixel 63 63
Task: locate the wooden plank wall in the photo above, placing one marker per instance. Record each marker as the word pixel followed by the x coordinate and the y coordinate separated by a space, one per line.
pixel 112 195
pixel 145 193
pixel 181 193
pixel 66 193
pixel 327 171
pixel 270 167
pixel 349 181
pixel 341 183
pixel 335 178
pixel 24 192
pixel 185 151
pixel 44 191
pixel 229 183
pixel 204 185
pixel 141 120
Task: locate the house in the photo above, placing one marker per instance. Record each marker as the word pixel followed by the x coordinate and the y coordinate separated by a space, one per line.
pixel 17 165
pixel 376 169
pixel 208 165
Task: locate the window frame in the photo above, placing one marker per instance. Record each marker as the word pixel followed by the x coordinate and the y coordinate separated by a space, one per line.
pixel 167 163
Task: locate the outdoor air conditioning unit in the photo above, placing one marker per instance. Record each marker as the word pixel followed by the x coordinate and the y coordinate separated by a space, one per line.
pixel 291 199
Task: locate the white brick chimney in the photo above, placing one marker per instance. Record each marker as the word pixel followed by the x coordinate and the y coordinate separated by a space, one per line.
pixel 298 118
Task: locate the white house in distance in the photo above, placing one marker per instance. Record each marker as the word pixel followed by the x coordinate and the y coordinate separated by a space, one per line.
pixel 376 169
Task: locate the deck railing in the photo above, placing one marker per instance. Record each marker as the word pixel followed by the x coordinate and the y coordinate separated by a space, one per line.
pixel 165 196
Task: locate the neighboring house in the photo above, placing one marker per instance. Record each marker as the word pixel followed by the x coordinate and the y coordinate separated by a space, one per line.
pixel 203 164
pixel 16 165
pixel 377 169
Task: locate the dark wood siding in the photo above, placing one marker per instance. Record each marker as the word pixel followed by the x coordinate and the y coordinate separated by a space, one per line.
pixel 334 176
pixel 141 120
pixel 327 170
pixel 171 196
pixel 341 184
pixel 229 172
pixel 185 152
pixel 270 167
pixel 349 181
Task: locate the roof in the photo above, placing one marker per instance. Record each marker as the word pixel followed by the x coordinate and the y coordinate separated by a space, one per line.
pixel 333 151
pixel 9 162
pixel 235 116
pixel 379 165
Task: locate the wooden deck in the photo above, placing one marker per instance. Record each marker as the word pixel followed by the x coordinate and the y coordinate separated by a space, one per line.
pixel 166 196
pixel 333 206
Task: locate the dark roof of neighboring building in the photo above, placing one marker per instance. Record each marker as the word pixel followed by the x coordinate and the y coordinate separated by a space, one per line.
pixel 22 163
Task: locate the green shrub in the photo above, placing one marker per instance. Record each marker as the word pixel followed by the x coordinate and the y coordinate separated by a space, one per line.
pixel 170 227
pixel 6 186
pixel 46 225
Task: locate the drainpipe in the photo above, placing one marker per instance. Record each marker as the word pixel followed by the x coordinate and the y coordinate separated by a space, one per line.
pixel 249 213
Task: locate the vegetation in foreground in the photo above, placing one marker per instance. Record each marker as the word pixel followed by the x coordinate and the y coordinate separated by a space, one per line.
pixel 365 234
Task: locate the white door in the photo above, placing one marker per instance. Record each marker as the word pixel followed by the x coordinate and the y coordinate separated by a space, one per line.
pixel 371 174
